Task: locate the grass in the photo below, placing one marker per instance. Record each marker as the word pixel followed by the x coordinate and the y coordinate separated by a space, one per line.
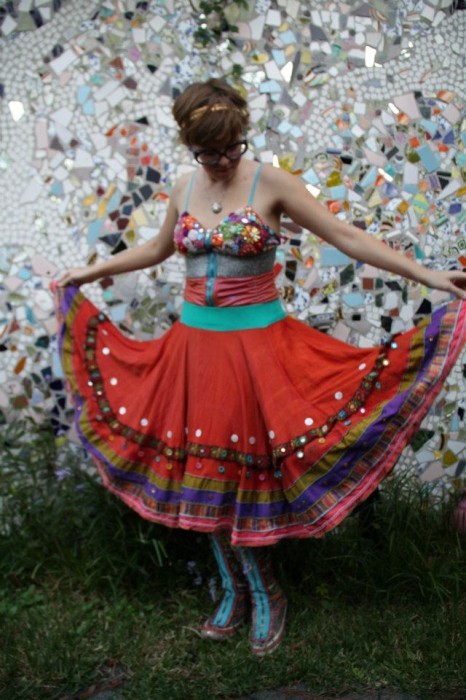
pixel 93 597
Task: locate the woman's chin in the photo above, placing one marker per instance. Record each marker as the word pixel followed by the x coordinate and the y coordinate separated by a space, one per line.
pixel 221 172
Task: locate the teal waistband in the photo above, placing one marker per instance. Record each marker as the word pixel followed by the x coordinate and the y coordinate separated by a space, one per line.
pixel 231 318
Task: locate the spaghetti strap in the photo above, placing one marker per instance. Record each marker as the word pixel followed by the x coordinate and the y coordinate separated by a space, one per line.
pixel 254 185
pixel 190 187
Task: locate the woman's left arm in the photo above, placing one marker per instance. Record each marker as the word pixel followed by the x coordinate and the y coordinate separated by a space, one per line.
pixel 294 200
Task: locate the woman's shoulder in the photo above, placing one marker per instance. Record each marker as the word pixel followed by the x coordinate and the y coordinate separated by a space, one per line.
pixel 271 174
pixel 183 180
pixel 180 187
pixel 280 185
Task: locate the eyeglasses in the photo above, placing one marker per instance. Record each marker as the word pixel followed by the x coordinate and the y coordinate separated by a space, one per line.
pixel 211 156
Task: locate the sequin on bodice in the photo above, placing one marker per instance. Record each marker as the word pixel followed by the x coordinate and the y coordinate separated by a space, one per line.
pixel 240 233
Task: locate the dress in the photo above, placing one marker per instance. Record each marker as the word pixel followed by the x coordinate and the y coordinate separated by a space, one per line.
pixel 242 418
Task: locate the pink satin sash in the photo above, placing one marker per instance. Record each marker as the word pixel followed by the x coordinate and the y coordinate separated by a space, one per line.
pixel 232 291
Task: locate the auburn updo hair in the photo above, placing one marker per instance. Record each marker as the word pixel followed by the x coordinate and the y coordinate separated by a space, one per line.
pixel 210 112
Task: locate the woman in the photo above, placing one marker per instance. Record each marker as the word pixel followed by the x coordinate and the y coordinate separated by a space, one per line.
pixel 242 422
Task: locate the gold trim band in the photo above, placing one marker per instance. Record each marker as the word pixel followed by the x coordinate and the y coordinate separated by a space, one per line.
pixel 215 107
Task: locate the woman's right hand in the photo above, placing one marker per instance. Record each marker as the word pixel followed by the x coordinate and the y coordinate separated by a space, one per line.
pixel 77 276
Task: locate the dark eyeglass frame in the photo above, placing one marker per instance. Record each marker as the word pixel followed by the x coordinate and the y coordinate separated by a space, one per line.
pixel 197 154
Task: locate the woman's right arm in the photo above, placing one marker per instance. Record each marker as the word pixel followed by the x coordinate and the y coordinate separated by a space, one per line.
pixel 151 253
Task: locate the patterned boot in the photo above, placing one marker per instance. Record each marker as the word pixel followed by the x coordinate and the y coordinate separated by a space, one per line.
pixel 234 606
pixel 268 600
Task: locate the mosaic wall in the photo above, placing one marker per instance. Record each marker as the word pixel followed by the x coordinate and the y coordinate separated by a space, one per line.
pixel 364 101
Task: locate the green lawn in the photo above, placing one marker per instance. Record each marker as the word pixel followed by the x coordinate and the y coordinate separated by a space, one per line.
pixel 91 595
pixel 57 644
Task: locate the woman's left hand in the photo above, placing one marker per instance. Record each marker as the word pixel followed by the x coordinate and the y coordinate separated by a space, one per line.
pixel 453 281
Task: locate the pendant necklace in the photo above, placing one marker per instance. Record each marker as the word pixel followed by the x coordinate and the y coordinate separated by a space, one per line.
pixel 217 205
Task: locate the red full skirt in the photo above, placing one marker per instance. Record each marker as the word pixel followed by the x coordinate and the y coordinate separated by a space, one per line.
pixel 268 433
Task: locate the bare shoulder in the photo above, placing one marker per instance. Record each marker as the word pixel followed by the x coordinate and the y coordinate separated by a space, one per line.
pixel 277 176
pixel 180 187
pixel 280 183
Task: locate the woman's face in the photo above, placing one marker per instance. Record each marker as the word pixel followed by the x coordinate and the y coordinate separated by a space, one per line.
pixel 221 159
